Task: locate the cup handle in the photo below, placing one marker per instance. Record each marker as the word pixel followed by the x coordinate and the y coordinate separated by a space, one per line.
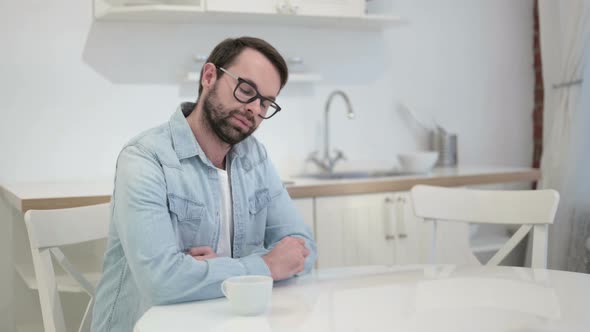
pixel 223 289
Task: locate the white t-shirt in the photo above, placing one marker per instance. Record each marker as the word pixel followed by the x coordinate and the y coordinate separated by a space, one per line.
pixel 226 231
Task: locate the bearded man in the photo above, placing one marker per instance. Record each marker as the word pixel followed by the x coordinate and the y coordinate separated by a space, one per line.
pixel 197 200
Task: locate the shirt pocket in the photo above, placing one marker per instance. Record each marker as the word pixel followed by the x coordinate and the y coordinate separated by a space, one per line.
pixel 189 216
pixel 258 205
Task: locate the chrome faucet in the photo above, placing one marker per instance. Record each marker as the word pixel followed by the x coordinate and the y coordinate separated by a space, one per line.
pixel 327 162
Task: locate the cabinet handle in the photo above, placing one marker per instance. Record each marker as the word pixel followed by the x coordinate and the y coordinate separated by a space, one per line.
pixel 389 224
pixel 393 237
pixel 389 221
pixel 401 220
pixel 392 223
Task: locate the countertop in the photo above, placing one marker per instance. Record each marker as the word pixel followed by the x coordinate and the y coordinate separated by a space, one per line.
pixel 448 177
pixel 54 195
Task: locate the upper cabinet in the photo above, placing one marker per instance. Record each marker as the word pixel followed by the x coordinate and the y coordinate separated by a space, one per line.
pixel 306 13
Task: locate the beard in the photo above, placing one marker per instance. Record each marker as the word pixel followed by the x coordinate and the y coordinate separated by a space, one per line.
pixel 217 118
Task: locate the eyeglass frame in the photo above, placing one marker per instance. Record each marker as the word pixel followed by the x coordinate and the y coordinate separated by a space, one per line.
pixel 257 96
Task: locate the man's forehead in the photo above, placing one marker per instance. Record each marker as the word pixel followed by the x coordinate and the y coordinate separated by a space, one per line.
pixel 254 67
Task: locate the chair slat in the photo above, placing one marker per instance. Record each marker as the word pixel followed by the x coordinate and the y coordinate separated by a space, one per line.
pixel 69 268
pixel 509 245
pixel 69 226
pixel 486 206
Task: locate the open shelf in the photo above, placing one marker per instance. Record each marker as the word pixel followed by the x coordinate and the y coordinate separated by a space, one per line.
pixel 293 77
pixel 158 13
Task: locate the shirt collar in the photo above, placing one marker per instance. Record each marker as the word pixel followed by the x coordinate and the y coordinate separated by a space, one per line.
pixel 183 139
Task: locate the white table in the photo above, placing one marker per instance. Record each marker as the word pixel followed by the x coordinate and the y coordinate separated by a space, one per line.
pixel 412 298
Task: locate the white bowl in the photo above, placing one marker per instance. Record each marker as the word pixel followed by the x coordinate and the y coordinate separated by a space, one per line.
pixel 418 162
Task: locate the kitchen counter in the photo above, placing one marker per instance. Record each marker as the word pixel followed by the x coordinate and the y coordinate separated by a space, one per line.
pixel 447 177
pixel 54 195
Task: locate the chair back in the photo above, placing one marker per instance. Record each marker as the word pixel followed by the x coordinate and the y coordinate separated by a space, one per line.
pixel 50 229
pixel 532 209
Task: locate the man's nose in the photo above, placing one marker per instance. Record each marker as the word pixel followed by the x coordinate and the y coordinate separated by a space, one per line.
pixel 255 106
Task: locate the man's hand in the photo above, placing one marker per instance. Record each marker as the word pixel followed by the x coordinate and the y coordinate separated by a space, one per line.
pixel 287 258
pixel 201 253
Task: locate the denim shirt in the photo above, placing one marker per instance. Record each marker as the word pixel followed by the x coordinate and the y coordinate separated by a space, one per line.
pixel 167 199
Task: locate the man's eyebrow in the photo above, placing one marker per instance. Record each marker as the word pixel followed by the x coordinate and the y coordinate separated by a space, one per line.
pixel 256 87
pixel 250 81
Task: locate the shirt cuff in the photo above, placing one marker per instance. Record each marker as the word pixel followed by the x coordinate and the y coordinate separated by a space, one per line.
pixel 255 265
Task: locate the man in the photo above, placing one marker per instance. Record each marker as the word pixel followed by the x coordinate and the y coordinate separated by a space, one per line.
pixel 197 200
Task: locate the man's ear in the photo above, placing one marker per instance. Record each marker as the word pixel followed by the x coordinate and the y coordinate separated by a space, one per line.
pixel 209 75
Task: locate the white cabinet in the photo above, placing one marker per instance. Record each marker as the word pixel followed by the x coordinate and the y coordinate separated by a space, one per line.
pixel 369 229
pixel 350 230
pixel 382 229
pixel 304 13
pixel 340 8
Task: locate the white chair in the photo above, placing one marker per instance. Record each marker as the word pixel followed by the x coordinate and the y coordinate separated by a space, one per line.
pixel 532 209
pixel 50 229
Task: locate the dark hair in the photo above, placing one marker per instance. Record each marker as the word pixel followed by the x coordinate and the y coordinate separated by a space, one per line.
pixel 226 52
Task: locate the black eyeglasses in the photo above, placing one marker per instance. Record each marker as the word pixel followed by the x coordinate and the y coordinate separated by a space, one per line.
pixel 246 93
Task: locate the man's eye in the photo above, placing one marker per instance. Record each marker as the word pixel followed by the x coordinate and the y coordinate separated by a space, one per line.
pixel 247 90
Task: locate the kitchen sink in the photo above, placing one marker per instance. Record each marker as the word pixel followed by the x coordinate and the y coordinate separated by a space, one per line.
pixel 339 175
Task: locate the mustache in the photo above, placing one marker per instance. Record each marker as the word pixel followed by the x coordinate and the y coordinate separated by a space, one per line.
pixel 247 115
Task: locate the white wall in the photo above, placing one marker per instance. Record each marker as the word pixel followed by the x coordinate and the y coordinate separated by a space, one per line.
pixel 73 91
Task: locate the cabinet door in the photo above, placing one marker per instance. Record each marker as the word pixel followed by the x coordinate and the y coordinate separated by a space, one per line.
pixel 305 207
pixel 340 8
pixel 351 230
pixel 240 6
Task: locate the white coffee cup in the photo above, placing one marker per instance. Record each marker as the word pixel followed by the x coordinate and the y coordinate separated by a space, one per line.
pixel 248 295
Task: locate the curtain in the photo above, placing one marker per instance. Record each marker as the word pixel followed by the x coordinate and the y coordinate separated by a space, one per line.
pixel 578 257
pixel 565 164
